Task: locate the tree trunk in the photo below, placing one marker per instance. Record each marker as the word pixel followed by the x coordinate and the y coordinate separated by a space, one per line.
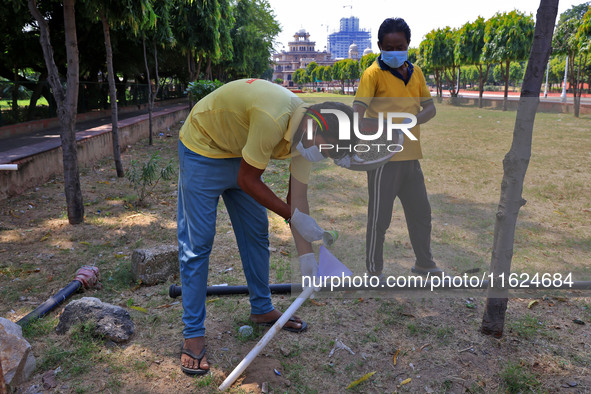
pixel 198 71
pixel 149 88
pixel 157 77
pixel 578 89
pixel 66 101
pixel 208 69
pixel 15 93
pixel 505 97
pixel 36 94
pixel 113 96
pixel 515 166
pixel 481 80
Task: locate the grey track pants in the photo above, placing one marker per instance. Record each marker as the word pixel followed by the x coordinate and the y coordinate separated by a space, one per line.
pixel 402 179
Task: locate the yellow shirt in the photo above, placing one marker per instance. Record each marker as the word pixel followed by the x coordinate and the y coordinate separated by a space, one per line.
pixel 394 96
pixel 249 118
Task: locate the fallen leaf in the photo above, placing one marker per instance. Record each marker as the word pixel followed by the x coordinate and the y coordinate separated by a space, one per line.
pixel 395 358
pixel 84 243
pixel 424 346
pixel 405 381
pixel 360 380
pixel 45 237
pixel 139 308
pixel 316 302
pixel 531 304
pixel 212 300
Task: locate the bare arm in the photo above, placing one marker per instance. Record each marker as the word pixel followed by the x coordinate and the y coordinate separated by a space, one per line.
pixel 427 113
pixel 249 180
pixel 297 197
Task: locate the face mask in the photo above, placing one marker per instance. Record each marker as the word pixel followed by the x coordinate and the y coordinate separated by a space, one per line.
pixel 312 153
pixel 394 59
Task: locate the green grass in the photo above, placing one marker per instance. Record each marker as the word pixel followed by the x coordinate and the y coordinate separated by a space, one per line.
pixel 7 103
pixel 527 326
pixel 77 357
pixel 518 379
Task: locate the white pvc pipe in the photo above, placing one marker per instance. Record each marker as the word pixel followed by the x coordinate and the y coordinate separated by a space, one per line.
pixel 266 338
pixel 8 167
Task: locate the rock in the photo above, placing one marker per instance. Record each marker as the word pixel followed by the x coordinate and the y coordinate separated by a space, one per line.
pixel 18 362
pixel 285 351
pixel 155 265
pixel 48 380
pixel 111 322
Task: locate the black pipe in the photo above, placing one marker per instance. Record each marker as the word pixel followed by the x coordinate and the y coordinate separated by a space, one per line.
pixel 412 285
pixel 282 288
pixel 51 303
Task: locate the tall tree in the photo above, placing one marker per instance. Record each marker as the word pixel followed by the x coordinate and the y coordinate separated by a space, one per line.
pixel 157 28
pixel 367 60
pixel 113 13
pixel 507 38
pixel 468 51
pixel 570 40
pixel 253 36
pixel 449 59
pixel 515 166
pixel 67 102
pixel 434 54
pixel 299 77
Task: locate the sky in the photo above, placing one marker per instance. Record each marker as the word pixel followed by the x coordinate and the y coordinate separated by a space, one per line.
pixel 322 17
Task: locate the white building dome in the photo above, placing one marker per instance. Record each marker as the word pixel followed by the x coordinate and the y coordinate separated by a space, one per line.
pixel 367 51
pixel 353 47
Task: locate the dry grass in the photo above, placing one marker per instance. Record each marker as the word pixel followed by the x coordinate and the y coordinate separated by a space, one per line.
pixel 437 337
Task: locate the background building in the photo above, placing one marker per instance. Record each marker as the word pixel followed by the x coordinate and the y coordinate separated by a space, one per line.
pixel 301 52
pixel 339 42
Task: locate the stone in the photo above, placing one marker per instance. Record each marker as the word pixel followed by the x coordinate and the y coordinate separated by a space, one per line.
pixel 111 322
pixel 18 362
pixel 155 265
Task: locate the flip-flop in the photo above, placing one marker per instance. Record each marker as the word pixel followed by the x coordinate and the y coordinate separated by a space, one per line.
pixel 303 328
pixel 199 357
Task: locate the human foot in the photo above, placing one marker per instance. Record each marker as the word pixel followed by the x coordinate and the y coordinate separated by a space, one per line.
pixel 193 359
pixel 294 324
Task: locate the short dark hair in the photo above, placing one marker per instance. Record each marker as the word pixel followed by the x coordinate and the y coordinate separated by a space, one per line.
pixel 332 126
pixel 394 25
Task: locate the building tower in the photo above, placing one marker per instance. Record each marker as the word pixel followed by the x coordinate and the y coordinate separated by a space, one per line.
pixel 353 51
pixel 339 42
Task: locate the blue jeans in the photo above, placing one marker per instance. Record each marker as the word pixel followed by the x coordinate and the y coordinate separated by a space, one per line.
pixel 202 181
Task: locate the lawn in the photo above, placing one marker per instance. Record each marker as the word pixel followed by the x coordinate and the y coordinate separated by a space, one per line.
pixel 7 103
pixel 430 338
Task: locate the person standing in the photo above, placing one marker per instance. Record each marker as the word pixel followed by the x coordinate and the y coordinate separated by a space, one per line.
pixel 393 84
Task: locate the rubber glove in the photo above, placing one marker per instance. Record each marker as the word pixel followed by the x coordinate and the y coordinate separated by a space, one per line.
pixel 308 265
pixel 344 162
pixel 306 226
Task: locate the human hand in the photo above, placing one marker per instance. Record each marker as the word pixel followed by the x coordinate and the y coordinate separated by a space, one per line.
pixel 344 162
pixel 308 265
pixel 306 226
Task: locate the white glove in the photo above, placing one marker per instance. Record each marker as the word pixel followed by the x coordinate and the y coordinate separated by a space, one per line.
pixel 344 162
pixel 306 226
pixel 308 265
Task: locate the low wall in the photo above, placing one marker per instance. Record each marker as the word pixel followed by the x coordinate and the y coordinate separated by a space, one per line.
pixel 92 144
pixel 17 129
pixel 513 102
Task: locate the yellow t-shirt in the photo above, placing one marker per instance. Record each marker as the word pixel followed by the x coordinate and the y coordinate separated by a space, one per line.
pixel 394 96
pixel 249 118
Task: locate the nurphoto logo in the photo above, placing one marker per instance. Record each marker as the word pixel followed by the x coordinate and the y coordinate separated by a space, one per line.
pixel 381 141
